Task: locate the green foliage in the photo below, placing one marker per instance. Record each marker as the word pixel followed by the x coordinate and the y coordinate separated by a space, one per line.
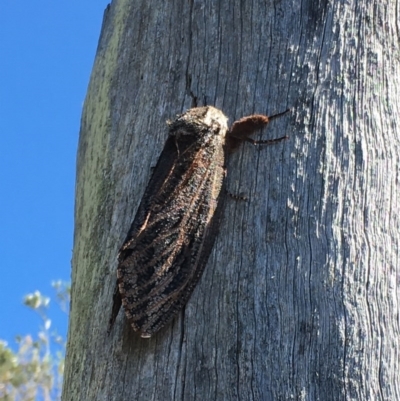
pixel 35 370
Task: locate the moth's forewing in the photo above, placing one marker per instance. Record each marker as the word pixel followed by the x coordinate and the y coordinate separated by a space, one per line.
pixel 174 230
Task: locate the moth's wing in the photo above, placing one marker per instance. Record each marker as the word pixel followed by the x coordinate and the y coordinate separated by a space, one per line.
pixel 172 234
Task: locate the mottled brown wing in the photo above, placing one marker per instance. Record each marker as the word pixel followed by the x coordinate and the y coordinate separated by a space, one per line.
pixel 174 230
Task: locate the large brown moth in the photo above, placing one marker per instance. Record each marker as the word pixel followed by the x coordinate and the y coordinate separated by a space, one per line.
pixel 173 232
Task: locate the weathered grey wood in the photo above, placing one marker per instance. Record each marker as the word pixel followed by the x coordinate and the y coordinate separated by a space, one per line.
pixel 300 297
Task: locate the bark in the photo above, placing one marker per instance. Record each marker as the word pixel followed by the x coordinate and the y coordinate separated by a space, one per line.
pixel 299 299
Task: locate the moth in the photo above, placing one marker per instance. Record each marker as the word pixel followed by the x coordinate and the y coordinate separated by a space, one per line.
pixel 173 232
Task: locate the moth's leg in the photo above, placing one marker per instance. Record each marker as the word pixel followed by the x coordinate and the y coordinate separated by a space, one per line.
pixel 267 141
pixel 278 114
pixel 189 90
pixel 239 197
pixel 117 302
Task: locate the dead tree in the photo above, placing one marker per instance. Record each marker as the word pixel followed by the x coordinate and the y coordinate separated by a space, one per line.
pixel 300 297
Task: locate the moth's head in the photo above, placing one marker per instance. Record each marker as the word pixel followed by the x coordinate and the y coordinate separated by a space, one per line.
pixel 213 116
pixel 200 119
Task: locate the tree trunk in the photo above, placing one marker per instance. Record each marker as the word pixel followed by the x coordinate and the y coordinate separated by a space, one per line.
pixel 299 299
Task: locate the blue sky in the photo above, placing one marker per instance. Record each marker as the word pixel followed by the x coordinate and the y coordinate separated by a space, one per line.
pixel 47 50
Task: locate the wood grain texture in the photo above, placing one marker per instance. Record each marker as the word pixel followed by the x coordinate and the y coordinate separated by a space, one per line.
pixel 299 299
